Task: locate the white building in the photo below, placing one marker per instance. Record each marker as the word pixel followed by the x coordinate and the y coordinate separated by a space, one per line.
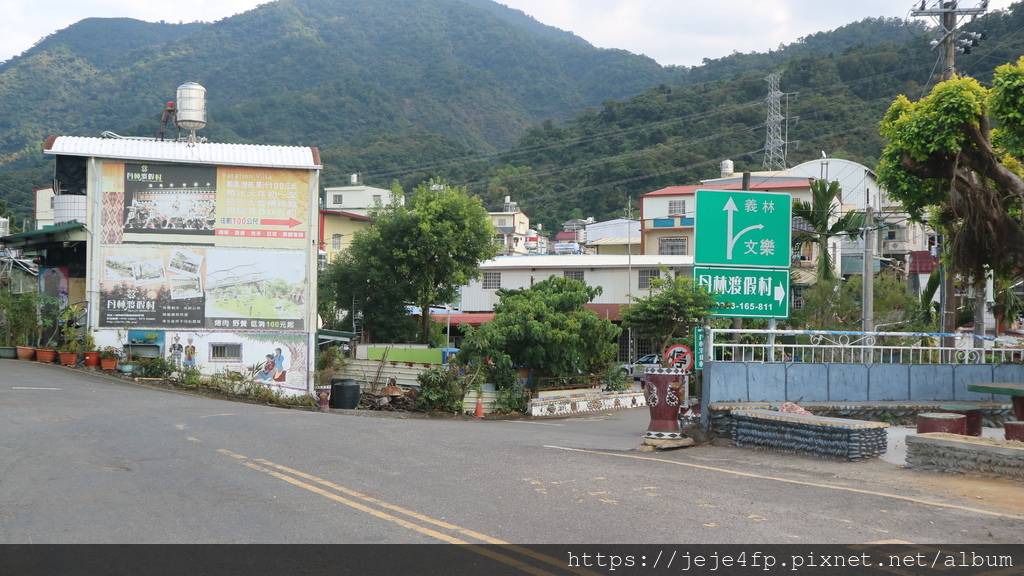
pixel 357 198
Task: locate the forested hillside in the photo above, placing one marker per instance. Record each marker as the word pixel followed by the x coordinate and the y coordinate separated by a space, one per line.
pixel 467 90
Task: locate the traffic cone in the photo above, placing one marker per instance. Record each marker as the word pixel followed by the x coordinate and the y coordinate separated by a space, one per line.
pixel 479 413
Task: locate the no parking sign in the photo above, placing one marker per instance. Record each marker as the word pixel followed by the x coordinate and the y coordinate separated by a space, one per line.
pixel 679 356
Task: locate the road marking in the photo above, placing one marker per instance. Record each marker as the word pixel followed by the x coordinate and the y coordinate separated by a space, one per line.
pixel 32 388
pixel 276 470
pixel 797 482
pixel 536 423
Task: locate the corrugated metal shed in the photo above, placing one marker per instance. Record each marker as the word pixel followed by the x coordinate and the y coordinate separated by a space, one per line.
pixel 144 150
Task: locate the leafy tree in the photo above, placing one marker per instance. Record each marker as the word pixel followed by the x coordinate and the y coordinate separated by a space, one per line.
pixel 546 328
pixel 943 152
pixel 836 305
pixel 820 214
pixel 421 254
pixel 446 237
pixel 674 306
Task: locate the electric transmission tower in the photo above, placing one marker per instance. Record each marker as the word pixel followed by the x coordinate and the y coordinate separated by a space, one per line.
pixel 775 146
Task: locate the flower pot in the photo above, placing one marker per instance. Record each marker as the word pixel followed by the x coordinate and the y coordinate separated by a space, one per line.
pixel 92 359
pixel 25 353
pixel 126 368
pixel 8 352
pixel 45 355
pixel 108 363
pixel 68 358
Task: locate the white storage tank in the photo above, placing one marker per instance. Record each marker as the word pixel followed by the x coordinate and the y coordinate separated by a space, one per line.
pixel 191 106
pixel 68 207
pixel 531 240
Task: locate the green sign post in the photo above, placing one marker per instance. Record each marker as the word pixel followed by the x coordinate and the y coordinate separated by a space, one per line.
pixel 742 228
pixel 746 292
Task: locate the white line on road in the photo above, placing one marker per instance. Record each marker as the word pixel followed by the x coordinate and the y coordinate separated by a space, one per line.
pixel 31 388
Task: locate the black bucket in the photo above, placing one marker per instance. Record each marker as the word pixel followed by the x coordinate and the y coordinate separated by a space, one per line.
pixel 344 393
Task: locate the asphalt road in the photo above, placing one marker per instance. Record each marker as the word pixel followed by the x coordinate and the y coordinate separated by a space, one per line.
pixel 88 458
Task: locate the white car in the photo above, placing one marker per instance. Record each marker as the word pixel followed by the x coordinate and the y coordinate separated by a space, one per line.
pixel 636 369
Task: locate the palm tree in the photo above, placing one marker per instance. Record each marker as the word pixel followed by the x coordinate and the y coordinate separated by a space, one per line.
pixel 824 222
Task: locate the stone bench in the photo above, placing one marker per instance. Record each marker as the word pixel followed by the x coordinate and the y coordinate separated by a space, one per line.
pixel 965 455
pixel 809 435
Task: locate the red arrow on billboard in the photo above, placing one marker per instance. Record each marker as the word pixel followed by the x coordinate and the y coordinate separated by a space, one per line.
pixel 291 222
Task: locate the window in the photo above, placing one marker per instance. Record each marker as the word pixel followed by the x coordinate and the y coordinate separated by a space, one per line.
pixel 894 234
pixel 226 352
pixel 502 222
pixel 672 246
pixel 377 199
pixel 677 207
pixel 492 280
pixel 575 275
pixel 499 239
pixel 336 242
pixel 646 276
pixel 321 261
pixel 337 199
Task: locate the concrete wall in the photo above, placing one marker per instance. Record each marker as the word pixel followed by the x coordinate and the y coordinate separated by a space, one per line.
pixel 792 382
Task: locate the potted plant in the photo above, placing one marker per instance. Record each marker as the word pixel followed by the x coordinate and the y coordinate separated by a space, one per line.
pixel 7 348
pixel 109 357
pixel 21 319
pixel 90 353
pixel 129 364
pixel 70 344
pixel 45 347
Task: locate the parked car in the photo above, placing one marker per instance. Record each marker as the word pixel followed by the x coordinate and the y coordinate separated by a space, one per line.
pixel 636 369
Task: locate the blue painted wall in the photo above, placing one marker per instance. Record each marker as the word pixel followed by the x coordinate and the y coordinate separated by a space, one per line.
pixel 795 382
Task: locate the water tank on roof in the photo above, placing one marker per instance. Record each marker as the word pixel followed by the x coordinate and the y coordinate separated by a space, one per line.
pixel 68 207
pixel 728 169
pixel 531 240
pixel 191 106
pixel 567 248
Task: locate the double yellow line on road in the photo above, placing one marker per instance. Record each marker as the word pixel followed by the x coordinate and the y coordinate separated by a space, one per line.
pixel 366 503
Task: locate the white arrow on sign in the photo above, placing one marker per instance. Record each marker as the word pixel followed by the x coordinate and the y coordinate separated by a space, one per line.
pixel 780 293
pixel 731 208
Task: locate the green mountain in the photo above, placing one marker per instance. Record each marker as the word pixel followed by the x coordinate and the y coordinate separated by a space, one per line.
pixel 469 90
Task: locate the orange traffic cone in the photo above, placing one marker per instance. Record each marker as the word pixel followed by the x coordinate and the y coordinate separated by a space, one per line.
pixel 479 413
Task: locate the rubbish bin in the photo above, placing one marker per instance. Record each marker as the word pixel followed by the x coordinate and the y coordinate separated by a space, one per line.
pixel 344 393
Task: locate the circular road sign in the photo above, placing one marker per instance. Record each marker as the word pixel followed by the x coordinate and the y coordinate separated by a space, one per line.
pixel 679 356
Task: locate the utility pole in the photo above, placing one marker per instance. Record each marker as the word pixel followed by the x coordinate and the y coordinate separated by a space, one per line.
pixel 948 12
pixel 867 297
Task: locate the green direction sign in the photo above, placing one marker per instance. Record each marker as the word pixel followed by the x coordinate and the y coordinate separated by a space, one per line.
pixel 746 292
pixel 742 228
pixel 698 347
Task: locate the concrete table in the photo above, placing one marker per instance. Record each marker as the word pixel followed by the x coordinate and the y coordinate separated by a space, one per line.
pixel 1014 389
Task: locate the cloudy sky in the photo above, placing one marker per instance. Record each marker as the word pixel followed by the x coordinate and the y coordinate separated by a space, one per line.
pixel 670 31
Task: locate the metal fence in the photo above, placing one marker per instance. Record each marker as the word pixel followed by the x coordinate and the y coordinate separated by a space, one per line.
pixel 819 346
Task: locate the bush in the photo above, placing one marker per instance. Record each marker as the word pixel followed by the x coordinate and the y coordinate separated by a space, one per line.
pixel 615 379
pixel 442 389
pixel 512 399
pixel 158 367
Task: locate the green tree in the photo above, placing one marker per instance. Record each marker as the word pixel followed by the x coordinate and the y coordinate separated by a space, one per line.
pixel 674 306
pixel 546 328
pixel 825 223
pixel 942 151
pixel 446 237
pixel 836 305
pixel 420 255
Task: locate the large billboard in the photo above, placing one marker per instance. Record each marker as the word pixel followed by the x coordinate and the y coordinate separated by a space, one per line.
pixel 204 247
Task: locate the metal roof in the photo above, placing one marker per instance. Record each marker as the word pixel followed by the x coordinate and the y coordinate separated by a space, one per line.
pixel 585 261
pixel 145 150
pixel 613 241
